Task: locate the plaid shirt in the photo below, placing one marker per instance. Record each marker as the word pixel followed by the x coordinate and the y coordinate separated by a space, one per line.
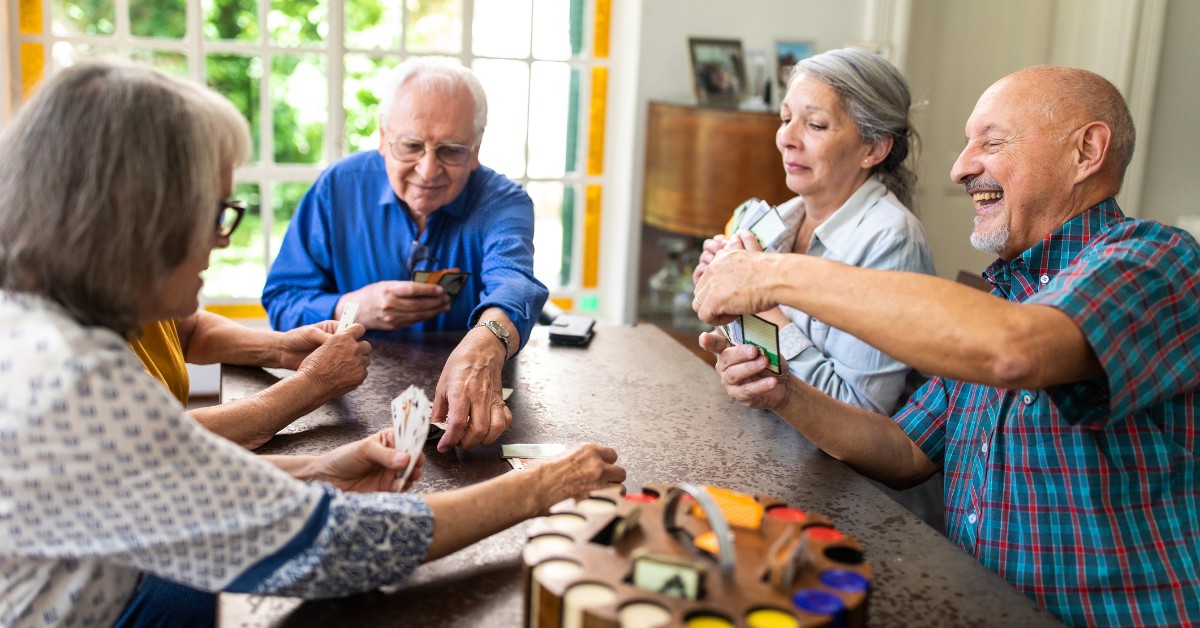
pixel 1086 496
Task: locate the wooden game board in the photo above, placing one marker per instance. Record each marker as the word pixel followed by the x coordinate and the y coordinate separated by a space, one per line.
pixel 636 560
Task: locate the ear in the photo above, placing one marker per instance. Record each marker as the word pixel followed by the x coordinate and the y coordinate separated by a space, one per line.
pixel 877 152
pixel 382 139
pixel 1091 150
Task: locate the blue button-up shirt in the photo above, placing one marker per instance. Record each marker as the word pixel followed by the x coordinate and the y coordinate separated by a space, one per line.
pixel 350 230
pixel 1085 496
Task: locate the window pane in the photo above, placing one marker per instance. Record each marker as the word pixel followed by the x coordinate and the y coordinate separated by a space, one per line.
pixel 507 86
pixel 547 231
pixel 299 106
pixel 551 30
pixel 434 26
pixel 170 62
pixel 501 28
pixel 231 19
pixel 238 79
pixel 86 17
pixel 239 271
pixel 374 24
pixel 65 55
pixel 360 98
pixel 550 88
pixel 298 22
pixel 158 18
pixel 286 196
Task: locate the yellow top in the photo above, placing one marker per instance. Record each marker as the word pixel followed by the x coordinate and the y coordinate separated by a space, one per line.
pixel 161 353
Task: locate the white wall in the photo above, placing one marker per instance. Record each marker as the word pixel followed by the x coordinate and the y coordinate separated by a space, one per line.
pixel 1171 193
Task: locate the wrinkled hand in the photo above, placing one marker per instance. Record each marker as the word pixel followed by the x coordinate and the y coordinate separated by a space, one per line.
pixel 468 396
pixel 733 285
pixel 298 343
pixel 339 365
pixel 397 304
pixel 744 374
pixel 370 465
pixel 708 252
pixel 578 471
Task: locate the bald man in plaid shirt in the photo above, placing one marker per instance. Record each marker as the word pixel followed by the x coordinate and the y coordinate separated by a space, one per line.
pixel 1063 407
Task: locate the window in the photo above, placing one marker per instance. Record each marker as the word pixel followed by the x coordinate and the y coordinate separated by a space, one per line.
pixel 303 72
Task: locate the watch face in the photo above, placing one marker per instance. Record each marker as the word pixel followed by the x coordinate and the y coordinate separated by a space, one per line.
pixel 498 328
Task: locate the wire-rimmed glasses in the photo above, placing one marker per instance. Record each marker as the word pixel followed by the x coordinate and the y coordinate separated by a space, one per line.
pixel 449 153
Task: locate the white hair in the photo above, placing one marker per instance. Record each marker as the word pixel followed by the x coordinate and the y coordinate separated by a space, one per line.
pixel 440 72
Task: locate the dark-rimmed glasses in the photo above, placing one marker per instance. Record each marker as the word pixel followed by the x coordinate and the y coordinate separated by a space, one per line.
pixel 229 216
pixel 448 153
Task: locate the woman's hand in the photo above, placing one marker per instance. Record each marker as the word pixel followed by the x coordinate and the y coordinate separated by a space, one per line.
pixel 370 465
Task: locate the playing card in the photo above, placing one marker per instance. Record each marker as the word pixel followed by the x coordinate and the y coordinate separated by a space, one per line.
pixel 534 450
pixel 765 335
pixel 733 332
pixel 768 228
pixel 349 313
pixel 410 419
pixel 452 282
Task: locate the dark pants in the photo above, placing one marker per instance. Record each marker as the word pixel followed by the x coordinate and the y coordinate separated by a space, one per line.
pixel 158 602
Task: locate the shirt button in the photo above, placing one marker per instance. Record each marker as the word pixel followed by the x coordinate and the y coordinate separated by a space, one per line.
pixel 1028 399
pixel 1045 279
pixel 971 518
pixel 985 446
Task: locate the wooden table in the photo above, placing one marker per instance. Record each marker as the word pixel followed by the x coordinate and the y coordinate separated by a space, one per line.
pixel 664 411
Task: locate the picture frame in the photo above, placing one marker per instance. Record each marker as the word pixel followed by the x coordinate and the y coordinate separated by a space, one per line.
pixel 718 70
pixel 787 54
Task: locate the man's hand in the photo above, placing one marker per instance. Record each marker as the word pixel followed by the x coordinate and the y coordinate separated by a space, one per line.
pixel 339 365
pixel 468 396
pixel 736 282
pixel 396 304
pixel 369 465
pixel 744 374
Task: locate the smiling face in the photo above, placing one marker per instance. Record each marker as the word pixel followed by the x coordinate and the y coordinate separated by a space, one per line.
pixel 824 158
pixel 1017 166
pixel 425 114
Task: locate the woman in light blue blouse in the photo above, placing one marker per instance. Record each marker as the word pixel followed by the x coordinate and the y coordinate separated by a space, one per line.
pixel 114 184
pixel 844 137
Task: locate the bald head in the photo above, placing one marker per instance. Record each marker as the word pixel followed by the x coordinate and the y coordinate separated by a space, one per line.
pixel 1068 98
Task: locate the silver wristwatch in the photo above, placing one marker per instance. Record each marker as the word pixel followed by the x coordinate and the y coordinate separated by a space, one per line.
pixel 498 331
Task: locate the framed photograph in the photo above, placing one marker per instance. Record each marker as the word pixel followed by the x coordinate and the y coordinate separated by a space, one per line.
pixel 718 70
pixel 787 53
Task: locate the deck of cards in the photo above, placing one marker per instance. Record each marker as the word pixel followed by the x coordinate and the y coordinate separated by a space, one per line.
pixel 410 418
pixel 762 333
pixel 761 219
pixel 451 280
pixel 519 455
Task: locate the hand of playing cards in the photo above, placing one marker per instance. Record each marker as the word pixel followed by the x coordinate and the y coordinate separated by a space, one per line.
pixel 410 418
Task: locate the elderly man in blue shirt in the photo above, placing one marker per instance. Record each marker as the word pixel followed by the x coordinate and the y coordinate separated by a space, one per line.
pixel 421 202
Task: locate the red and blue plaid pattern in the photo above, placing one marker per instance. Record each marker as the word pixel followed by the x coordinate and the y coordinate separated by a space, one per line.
pixel 1087 496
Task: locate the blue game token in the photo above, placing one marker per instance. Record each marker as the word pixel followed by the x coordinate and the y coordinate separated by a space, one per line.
pixel 817 601
pixel 843 580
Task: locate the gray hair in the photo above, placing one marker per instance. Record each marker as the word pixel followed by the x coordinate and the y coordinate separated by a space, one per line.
pixel 875 95
pixel 107 176
pixel 441 73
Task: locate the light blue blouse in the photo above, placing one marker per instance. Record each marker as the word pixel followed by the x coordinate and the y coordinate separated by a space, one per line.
pixel 872 229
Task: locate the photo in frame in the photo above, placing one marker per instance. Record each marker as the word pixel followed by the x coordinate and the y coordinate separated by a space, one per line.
pixel 787 54
pixel 718 70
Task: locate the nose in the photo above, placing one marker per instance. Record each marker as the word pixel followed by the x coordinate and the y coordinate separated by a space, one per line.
pixel 966 167
pixel 786 137
pixel 428 165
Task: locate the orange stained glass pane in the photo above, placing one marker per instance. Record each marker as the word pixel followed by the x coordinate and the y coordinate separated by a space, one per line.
pixel 33 68
pixel 591 237
pixel 30 12
pixel 566 303
pixel 595 161
pixel 600 33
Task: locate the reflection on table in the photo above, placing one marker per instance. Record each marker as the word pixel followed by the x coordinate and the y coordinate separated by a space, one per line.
pixel 664 411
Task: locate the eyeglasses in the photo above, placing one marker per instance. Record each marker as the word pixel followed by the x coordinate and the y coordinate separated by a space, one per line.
pixel 229 215
pixel 419 254
pixel 448 153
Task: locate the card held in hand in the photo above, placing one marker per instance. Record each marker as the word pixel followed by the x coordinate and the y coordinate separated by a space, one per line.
pixel 765 335
pixel 410 419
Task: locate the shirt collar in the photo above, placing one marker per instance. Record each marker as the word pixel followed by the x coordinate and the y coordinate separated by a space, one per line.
pixel 838 230
pixel 1055 251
